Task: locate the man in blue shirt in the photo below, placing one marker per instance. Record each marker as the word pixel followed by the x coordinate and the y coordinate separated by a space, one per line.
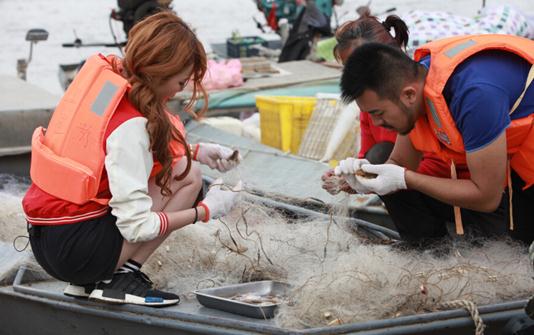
pixel 470 126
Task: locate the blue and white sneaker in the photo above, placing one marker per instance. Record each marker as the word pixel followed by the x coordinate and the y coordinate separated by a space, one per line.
pixel 132 287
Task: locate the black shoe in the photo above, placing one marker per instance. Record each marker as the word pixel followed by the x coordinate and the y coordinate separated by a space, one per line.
pixel 132 288
pixel 79 291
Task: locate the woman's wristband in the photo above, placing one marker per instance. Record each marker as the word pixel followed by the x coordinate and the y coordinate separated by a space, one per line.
pixel 206 211
pixel 196 215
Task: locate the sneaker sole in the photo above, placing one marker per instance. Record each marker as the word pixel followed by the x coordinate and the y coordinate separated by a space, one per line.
pixel 76 292
pixel 98 295
pixel 76 296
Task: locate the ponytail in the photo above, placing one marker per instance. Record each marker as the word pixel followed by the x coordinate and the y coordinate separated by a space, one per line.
pixel 399 27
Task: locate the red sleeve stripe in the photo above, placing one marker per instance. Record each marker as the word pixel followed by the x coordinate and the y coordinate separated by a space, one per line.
pixel 195 153
pixel 164 223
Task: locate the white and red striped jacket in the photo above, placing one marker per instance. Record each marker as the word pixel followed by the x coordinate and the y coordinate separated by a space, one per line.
pixel 128 166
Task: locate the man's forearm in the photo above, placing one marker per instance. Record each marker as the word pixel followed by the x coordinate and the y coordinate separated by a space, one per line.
pixel 457 192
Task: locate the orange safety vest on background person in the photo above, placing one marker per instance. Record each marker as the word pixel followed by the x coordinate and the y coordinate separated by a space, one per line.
pixel 68 157
pixel 437 132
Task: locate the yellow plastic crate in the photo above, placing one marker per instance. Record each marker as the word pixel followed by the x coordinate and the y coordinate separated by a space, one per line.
pixel 283 120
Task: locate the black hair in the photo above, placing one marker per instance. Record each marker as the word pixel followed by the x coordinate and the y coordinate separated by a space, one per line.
pixel 377 67
pixel 399 27
pixel 369 29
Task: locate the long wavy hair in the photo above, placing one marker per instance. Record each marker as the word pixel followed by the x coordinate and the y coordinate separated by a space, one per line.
pixel 159 47
pixel 368 28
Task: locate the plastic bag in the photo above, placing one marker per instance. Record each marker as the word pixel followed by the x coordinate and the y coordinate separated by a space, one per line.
pixel 224 74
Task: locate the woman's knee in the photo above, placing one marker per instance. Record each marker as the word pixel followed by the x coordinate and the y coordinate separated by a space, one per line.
pixel 193 177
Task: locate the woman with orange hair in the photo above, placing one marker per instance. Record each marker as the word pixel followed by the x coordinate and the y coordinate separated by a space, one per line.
pixel 120 139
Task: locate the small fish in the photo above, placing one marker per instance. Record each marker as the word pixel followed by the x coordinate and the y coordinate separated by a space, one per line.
pixel 234 156
pixel 364 174
pixel 250 298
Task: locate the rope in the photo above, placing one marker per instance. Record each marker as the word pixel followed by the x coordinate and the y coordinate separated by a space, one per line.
pixel 457 212
pixel 25 246
pixel 471 308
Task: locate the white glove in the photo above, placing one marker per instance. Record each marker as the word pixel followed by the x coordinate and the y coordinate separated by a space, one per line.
pixel 347 168
pixel 220 201
pixel 217 156
pixel 390 178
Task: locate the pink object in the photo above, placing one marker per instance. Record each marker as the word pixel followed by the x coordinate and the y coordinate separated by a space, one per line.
pixel 223 74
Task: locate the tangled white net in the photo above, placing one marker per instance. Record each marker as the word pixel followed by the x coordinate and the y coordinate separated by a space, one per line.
pixel 337 274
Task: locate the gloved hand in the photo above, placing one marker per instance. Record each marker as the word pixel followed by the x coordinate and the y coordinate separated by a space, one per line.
pixel 347 168
pixel 390 178
pixel 334 184
pixel 217 156
pixel 219 200
pixel 330 182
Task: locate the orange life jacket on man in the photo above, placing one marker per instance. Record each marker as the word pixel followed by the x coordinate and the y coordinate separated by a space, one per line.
pixel 68 157
pixel 437 132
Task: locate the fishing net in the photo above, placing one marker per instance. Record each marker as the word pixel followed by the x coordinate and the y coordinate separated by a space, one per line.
pixel 13 228
pixel 338 274
pixel 12 222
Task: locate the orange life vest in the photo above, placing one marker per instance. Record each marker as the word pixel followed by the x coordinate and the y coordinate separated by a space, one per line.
pixel 68 157
pixel 436 131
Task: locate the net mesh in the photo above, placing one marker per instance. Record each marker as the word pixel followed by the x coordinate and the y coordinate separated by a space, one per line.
pixel 337 274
